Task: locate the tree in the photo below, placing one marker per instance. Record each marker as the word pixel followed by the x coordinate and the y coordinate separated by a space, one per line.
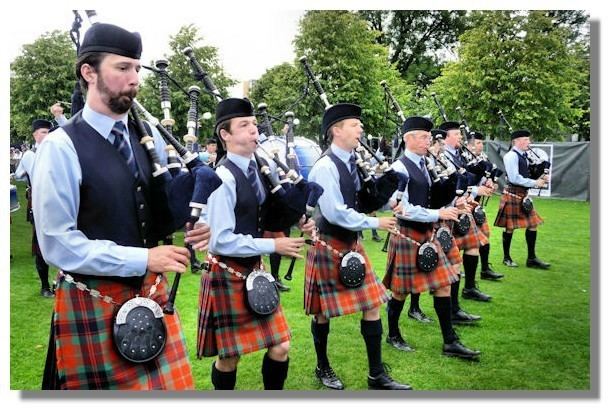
pixel 41 75
pixel 519 63
pixel 280 87
pixel 342 52
pixel 418 40
pixel 179 69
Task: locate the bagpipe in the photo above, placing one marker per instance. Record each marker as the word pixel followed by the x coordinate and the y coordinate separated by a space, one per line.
pixel 538 165
pixel 376 190
pixel 187 191
pixel 292 195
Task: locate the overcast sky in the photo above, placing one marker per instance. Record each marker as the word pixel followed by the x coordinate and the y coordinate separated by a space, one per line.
pixel 248 43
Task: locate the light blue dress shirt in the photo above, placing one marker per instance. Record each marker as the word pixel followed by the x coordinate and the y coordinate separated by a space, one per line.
pixel 331 203
pixel 56 184
pixel 412 212
pixel 511 164
pixel 221 216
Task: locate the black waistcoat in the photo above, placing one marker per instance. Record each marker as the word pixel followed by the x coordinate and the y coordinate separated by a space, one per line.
pixel 419 192
pixel 113 204
pixel 349 194
pixel 524 169
pixel 248 213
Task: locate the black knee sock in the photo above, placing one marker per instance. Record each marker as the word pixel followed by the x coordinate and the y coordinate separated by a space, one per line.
pixel 506 240
pixel 442 305
pixel 484 257
pixel 223 380
pixel 274 261
pixel 374 233
pixel 530 238
pixel 414 301
pixel 43 271
pixel 455 297
pixel 274 373
pixel 320 333
pixel 470 262
pixel 394 308
pixel 372 334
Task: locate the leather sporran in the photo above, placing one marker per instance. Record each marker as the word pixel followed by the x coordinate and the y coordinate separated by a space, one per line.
pixel 479 215
pixel 445 237
pixel 139 332
pixel 427 257
pixel 527 205
pixel 463 226
pixel 352 270
pixel 262 293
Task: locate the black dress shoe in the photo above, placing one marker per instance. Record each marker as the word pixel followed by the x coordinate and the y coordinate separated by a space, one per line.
pixel 461 317
pixel 489 274
pixel 457 349
pixel 399 343
pixel 537 263
pixel 377 238
pixel 281 286
pixel 510 263
pixel 328 378
pixel 47 293
pixel 384 382
pixel 418 315
pixel 475 294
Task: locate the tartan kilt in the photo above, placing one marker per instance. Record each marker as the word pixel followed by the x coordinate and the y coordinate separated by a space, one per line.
pixel 325 294
pixel 226 326
pixel 484 228
pixel 453 254
pixel 474 239
pixel 86 357
pixel 403 275
pixel 511 216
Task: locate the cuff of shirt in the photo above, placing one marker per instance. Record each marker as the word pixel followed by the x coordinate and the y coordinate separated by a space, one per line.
pixel 373 222
pixel 136 261
pixel 265 245
pixel 434 215
pixel 474 191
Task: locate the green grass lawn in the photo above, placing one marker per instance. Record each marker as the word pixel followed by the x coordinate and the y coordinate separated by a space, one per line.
pixel 534 335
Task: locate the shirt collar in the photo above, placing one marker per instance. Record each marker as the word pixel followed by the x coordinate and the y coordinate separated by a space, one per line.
pixel 415 158
pixel 342 154
pixel 450 149
pixel 240 161
pixel 100 122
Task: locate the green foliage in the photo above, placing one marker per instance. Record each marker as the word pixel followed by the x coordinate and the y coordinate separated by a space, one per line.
pixel 179 69
pixel 280 88
pixel 40 76
pixel 519 63
pixel 534 335
pixel 350 65
pixel 417 39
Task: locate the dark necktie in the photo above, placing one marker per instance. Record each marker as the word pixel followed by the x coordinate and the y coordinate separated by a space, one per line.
pixel 122 146
pixel 353 172
pixel 424 170
pixel 253 179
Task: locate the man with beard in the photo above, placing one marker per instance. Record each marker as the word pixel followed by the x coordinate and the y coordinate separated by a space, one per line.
pixel 96 206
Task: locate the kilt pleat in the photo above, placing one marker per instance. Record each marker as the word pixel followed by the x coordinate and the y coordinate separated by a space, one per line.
pixel 403 275
pixel 226 326
pixel 85 355
pixel 325 294
pixel 474 239
pixel 511 216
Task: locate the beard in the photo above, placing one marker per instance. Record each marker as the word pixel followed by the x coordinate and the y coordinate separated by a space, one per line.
pixel 118 102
